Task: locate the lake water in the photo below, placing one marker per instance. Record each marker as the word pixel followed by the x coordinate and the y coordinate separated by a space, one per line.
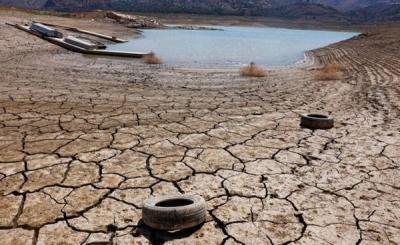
pixel 233 45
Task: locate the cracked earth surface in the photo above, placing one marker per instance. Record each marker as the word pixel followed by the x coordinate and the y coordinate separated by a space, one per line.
pixel 83 141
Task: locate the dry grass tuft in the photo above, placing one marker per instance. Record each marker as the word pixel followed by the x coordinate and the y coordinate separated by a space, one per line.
pixel 330 72
pixel 253 70
pixel 152 59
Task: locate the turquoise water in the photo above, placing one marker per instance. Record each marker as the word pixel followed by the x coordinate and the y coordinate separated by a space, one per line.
pixel 233 45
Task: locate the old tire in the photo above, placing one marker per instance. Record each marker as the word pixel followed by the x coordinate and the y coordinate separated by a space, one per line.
pixel 174 212
pixel 316 121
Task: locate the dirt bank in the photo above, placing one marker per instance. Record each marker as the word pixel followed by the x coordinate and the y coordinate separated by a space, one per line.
pixel 84 140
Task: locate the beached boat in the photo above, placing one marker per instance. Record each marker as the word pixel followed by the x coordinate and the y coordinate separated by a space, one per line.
pixel 45 30
pixel 91 33
pixel 75 48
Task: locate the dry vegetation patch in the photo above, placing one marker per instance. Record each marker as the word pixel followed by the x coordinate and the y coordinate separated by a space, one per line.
pixel 330 72
pixel 152 59
pixel 253 70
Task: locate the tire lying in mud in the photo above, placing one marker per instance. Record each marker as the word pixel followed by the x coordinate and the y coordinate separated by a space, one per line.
pixel 316 121
pixel 174 212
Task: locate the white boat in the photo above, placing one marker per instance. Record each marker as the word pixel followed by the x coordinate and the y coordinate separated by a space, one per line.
pixel 45 30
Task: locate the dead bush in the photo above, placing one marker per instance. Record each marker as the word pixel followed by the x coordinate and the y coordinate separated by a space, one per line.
pixel 152 59
pixel 253 70
pixel 330 72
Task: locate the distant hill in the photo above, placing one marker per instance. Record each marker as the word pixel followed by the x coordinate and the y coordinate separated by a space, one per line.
pixel 305 11
pixel 330 10
pixel 349 5
pixel 36 4
pixel 376 13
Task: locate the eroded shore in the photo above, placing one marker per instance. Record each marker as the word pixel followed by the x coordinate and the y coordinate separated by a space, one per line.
pixel 84 140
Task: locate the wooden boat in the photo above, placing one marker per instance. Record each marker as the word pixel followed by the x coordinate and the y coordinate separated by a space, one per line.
pixel 61 42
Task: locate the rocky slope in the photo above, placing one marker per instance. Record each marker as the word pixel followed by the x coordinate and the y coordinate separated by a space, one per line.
pixel 304 11
pixel 378 12
pixel 182 5
pixel 355 10
pixel 24 3
pixel 349 5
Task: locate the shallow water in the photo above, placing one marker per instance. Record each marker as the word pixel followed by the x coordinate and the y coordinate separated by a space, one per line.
pixel 233 45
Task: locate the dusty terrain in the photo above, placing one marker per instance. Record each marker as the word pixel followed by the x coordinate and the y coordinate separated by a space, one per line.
pixel 84 140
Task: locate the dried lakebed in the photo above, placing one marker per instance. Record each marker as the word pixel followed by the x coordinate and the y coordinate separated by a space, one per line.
pixel 83 141
pixel 232 45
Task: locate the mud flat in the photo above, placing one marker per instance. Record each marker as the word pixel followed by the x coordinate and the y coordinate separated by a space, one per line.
pixel 84 140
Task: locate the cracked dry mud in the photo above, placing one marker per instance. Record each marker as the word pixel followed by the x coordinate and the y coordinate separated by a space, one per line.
pixel 84 140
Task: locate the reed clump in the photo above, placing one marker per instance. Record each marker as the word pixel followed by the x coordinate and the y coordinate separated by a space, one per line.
pixel 330 72
pixel 152 59
pixel 252 70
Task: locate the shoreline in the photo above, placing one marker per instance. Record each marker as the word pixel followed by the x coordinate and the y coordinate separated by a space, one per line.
pixel 296 63
pixel 254 21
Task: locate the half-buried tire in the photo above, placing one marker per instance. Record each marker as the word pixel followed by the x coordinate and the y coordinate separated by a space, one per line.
pixel 175 212
pixel 316 121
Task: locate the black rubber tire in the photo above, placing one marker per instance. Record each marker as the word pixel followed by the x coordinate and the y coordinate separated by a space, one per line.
pixel 174 217
pixel 316 121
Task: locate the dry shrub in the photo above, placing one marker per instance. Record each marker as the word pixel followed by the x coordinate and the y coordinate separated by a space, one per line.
pixel 152 59
pixel 330 72
pixel 253 70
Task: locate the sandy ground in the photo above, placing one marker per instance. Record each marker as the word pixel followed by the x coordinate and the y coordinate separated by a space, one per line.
pixel 84 140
